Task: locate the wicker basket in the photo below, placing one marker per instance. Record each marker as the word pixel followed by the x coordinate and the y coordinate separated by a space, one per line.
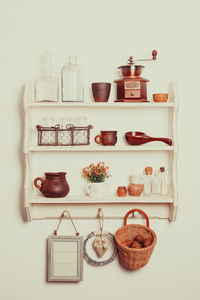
pixel 132 258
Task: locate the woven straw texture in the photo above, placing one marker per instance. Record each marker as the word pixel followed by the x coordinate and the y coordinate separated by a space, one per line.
pixel 132 258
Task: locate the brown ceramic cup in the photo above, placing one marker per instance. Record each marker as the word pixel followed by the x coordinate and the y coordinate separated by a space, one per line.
pixel 106 138
pixel 101 91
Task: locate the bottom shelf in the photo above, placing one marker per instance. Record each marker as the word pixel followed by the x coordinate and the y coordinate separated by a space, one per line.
pixel 83 199
pixel 84 207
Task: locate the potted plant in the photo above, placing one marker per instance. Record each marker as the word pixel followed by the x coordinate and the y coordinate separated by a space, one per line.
pixel 96 175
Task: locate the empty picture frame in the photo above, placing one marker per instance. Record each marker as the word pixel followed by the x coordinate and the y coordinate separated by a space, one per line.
pixel 65 258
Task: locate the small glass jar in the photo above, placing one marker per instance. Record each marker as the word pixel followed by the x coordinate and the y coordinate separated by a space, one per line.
pixel 136 186
pixel 163 182
pixel 156 183
pixel 148 181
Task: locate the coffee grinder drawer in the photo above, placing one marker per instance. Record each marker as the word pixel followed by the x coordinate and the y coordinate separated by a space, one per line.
pixel 132 89
pixel 132 94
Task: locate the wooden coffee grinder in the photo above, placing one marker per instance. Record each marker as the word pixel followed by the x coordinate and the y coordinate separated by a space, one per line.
pixel 132 87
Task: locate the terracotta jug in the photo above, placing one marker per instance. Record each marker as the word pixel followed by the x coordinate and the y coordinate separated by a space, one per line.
pixel 54 186
pixel 136 186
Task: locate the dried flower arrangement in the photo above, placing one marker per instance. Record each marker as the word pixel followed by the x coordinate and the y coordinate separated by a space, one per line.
pixel 96 173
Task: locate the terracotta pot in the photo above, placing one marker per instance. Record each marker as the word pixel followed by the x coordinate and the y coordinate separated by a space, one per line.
pixel 54 186
pixel 121 191
pixel 101 91
pixel 106 138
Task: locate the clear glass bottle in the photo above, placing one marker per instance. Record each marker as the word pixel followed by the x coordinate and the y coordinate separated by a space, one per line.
pixel 72 81
pixel 156 183
pixel 164 183
pixel 46 86
pixel 148 181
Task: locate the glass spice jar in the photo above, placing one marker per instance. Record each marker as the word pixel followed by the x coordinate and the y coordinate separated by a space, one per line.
pixel 156 183
pixel 148 181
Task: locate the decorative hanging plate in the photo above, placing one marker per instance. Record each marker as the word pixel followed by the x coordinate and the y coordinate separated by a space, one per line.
pixel 111 251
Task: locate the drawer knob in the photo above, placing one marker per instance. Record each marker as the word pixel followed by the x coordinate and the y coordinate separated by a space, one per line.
pixel 132 93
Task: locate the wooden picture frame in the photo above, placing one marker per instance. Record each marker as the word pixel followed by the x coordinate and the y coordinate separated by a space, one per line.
pixel 65 258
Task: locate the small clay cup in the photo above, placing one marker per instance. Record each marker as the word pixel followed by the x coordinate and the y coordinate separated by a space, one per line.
pixel 160 97
pixel 101 91
pixel 106 138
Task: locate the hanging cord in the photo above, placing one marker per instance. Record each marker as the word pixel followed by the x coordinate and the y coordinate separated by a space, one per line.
pixel 61 218
pixel 101 220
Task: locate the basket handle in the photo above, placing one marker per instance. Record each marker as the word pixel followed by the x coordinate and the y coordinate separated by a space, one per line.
pixel 138 210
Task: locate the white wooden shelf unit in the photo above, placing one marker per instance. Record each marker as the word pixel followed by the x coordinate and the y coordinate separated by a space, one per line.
pixel 84 207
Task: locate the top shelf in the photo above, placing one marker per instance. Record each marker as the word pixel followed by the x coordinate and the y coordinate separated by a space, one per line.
pixel 102 104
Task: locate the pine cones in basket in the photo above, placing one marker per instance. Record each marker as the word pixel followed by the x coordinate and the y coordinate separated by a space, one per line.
pixel 138 242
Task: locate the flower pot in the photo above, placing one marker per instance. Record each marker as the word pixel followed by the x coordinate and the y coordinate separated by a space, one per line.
pixel 97 189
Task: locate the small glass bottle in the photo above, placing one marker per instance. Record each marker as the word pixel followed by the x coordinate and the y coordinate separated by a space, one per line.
pixel 164 184
pixel 148 181
pixel 72 81
pixel 156 183
pixel 46 86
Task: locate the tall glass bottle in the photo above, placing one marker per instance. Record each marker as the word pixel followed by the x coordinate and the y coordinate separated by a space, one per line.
pixel 164 183
pixel 147 181
pixel 156 183
pixel 46 86
pixel 72 81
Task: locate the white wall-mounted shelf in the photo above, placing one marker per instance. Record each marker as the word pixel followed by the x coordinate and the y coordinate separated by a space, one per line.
pixel 102 200
pixel 84 207
pixel 102 105
pixel 99 148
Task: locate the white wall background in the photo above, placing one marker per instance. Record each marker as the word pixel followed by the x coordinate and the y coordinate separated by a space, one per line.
pixel 102 34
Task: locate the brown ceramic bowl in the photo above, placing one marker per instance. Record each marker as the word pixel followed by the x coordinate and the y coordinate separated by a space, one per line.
pixel 131 71
pixel 160 97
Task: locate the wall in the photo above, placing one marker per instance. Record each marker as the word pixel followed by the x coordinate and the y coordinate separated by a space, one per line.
pixel 102 34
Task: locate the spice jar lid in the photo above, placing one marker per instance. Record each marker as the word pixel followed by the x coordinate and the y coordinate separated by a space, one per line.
pixel 162 169
pixel 148 170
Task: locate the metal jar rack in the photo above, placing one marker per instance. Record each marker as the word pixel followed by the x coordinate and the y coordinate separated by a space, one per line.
pixel 69 136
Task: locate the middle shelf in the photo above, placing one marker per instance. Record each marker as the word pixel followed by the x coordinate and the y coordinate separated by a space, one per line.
pixel 99 148
pixel 106 199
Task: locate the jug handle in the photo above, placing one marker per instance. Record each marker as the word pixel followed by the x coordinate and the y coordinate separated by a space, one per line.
pixel 36 184
pixel 98 139
pixel 88 188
